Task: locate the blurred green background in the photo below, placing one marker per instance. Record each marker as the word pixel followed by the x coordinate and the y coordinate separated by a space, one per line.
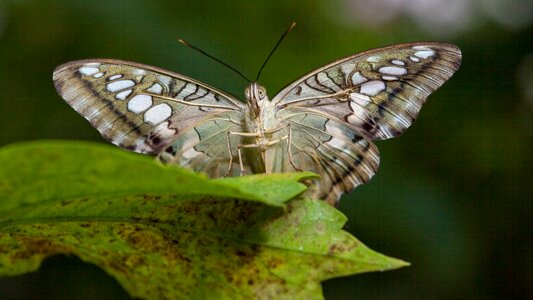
pixel 453 195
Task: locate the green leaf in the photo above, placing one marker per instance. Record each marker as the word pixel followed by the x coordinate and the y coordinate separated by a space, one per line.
pixel 165 232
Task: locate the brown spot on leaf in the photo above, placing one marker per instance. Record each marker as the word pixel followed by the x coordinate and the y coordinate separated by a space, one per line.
pixel 65 202
pixel 30 246
pixel 151 197
pixel 341 248
pixel 274 263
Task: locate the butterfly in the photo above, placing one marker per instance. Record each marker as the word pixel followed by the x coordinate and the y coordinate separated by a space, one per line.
pixel 324 122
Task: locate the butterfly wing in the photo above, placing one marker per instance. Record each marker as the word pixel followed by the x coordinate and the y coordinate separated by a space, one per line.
pixel 373 95
pixel 379 92
pixel 343 158
pixel 150 110
pixel 208 147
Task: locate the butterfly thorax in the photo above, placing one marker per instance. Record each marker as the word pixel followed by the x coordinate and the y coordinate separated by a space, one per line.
pixel 262 126
pixel 259 117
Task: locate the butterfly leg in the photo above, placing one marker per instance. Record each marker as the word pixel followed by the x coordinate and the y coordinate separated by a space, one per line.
pixel 289 142
pixel 262 143
pixel 289 149
pixel 240 159
pixel 239 151
pixel 230 163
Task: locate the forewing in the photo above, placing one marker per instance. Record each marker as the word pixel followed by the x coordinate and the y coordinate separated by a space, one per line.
pixel 139 107
pixel 343 158
pixel 379 92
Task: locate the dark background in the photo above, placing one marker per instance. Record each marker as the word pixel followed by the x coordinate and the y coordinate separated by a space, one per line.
pixel 453 195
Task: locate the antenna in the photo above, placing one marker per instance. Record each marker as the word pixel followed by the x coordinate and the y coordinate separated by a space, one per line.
pixel 214 58
pixel 232 68
pixel 275 47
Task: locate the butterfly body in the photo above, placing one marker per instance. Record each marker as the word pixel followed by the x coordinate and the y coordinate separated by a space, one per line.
pixel 324 122
pixel 267 133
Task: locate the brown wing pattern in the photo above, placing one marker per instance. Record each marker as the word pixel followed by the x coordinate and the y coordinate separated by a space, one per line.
pixel 335 111
pixel 379 92
pixel 139 107
pixel 207 147
pixel 343 158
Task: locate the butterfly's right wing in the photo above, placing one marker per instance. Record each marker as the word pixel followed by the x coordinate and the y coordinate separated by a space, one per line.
pixel 379 92
pixel 150 110
pixel 373 95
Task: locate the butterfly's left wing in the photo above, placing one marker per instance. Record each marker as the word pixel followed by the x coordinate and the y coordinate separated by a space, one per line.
pixel 374 95
pixel 150 110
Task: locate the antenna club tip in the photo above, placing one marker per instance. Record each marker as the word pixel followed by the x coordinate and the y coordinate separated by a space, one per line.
pixel 183 42
pixel 292 25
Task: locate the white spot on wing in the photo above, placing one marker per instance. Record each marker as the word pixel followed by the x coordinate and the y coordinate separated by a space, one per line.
pixel 119 85
pixel 398 62
pixel 163 131
pixel 139 103
pixel 424 53
pixel 354 119
pixel 372 88
pixel 117 76
pixel 415 59
pixel 141 147
pixel 164 80
pixel 393 70
pixel 357 105
pixel 88 70
pixel 139 72
pixel 98 75
pixel 385 77
pixel 123 95
pixel 156 88
pixel 373 59
pixel 358 101
pixel 421 48
pixel 357 78
pixel 360 114
pixel 158 114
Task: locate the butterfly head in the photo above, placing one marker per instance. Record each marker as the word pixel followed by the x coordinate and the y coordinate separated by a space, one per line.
pixel 255 95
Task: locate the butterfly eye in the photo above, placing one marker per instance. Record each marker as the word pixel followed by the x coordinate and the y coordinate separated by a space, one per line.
pixel 247 93
pixel 262 92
